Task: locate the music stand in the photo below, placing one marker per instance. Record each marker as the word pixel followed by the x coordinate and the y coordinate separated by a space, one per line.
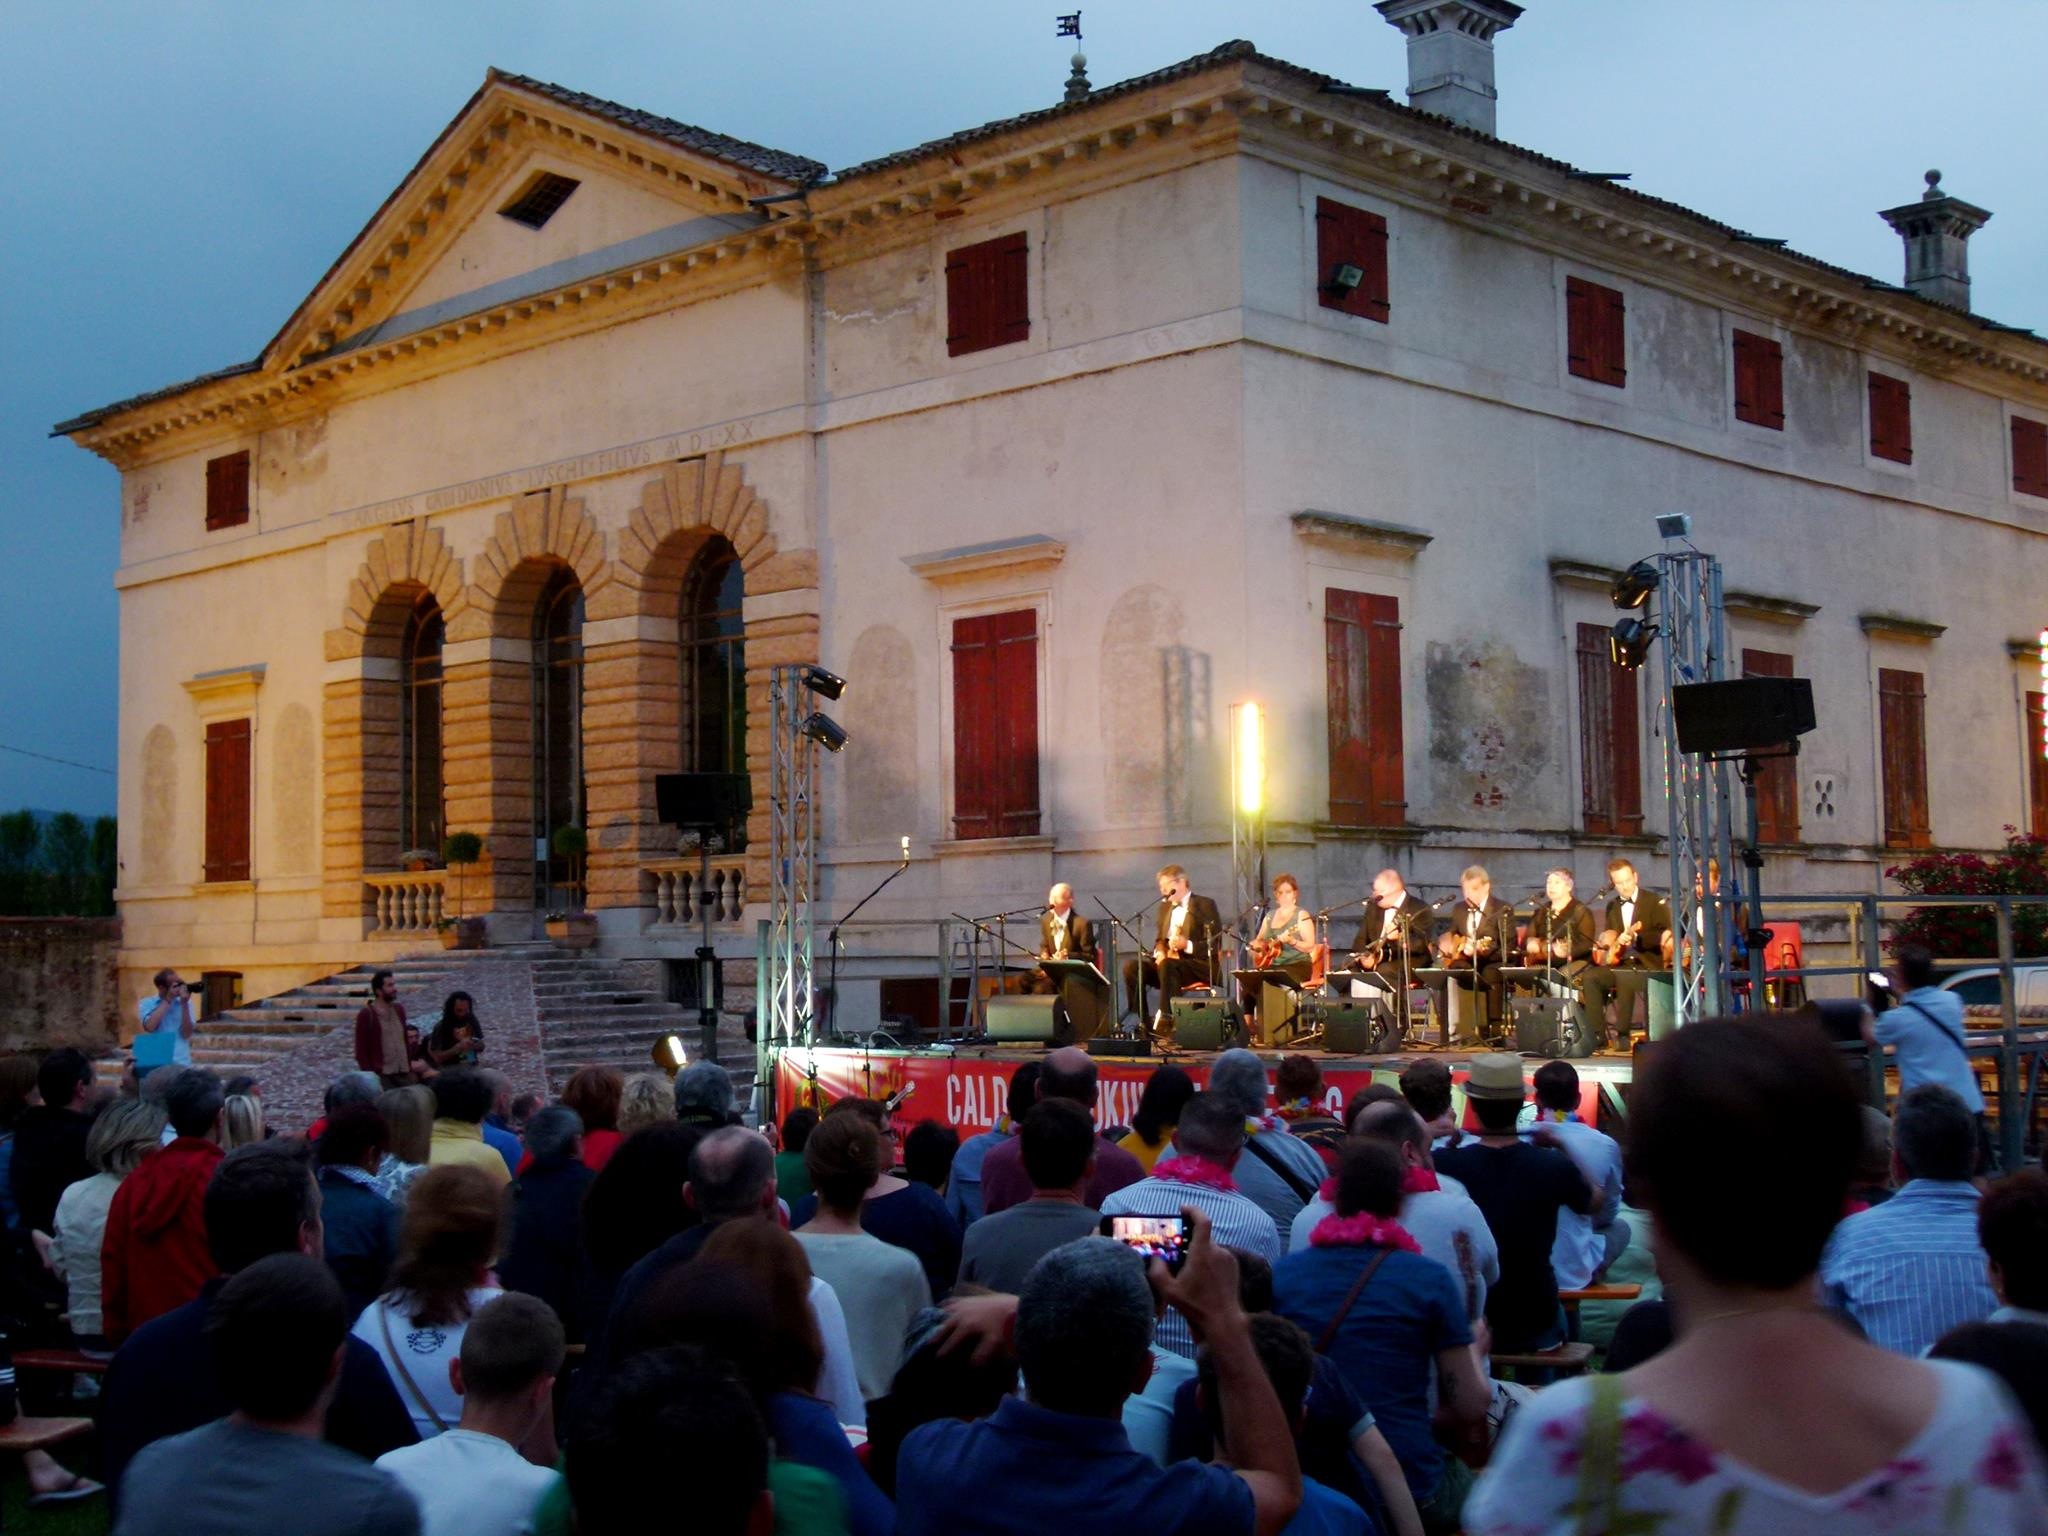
pixel 1084 992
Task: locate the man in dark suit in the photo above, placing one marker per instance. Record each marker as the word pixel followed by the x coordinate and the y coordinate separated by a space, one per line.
pixel 1487 927
pixel 1188 925
pixel 1064 934
pixel 1395 920
pixel 1642 918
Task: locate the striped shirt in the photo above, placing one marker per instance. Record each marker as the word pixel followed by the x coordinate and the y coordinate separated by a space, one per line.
pixel 1911 1269
pixel 1235 1221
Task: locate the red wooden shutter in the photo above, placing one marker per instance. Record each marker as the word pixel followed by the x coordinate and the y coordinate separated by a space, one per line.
pixel 1610 742
pixel 1595 332
pixel 1777 778
pixel 1362 646
pixel 1902 737
pixel 988 294
pixel 1891 419
pixel 995 725
pixel 227 800
pixel 1759 381
pixel 2037 764
pixel 227 490
pixel 1346 234
pixel 2029 456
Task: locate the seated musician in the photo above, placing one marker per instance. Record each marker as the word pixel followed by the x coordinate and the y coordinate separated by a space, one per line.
pixel 1630 945
pixel 1188 926
pixel 1478 937
pixel 1286 940
pixel 1394 925
pixel 1561 931
pixel 1063 934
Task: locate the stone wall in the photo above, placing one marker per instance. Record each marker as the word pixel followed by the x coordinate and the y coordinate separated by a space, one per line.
pixel 59 983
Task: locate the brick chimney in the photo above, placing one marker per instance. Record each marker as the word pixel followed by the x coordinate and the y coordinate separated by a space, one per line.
pixel 1450 54
pixel 1937 232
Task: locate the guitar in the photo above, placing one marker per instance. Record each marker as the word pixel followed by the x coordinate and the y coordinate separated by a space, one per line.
pixel 1610 946
pixel 1454 946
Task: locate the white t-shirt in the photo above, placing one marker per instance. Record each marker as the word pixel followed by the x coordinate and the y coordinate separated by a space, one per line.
pixel 423 1352
pixel 880 1289
pixel 470 1484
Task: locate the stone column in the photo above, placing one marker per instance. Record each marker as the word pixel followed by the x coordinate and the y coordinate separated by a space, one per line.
pixel 487 766
pixel 631 732
pixel 359 828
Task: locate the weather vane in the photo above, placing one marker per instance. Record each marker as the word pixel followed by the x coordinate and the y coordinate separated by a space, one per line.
pixel 1068 26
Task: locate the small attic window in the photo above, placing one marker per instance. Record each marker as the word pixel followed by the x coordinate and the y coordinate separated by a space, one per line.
pixel 543 195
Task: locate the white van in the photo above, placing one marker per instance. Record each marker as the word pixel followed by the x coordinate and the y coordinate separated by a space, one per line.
pixel 1979 987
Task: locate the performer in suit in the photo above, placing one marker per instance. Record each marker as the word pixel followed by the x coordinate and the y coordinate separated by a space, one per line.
pixel 1394 921
pixel 1480 928
pixel 1063 934
pixel 1641 919
pixel 1188 926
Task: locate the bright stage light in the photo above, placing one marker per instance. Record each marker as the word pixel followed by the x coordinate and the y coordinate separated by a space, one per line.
pixel 670 1055
pixel 1628 643
pixel 1635 586
pixel 1248 764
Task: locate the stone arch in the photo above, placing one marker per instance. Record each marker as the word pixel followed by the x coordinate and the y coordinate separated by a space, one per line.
pixel 545 529
pixel 406 559
pixel 631 700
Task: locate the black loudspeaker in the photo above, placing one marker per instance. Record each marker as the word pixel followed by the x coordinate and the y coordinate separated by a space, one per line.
pixel 1021 1018
pixel 1746 714
pixel 1118 1045
pixel 702 799
pixel 1203 1024
pixel 1357 1026
pixel 1545 1026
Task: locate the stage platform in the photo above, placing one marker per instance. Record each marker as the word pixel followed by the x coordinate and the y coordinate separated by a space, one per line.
pixel 967 1085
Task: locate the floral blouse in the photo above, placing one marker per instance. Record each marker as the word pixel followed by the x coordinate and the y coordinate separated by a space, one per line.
pixel 1973 1471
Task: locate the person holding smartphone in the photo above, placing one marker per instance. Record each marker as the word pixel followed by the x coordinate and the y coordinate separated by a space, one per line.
pixel 170 1010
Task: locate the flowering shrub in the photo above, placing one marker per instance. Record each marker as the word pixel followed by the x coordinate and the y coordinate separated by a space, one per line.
pixel 2020 870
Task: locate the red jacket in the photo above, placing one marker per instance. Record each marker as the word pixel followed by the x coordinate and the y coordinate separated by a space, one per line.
pixel 154 1256
pixel 370 1041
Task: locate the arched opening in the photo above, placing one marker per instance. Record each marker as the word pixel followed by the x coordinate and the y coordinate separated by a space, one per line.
pixel 420 823
pixel 557 732
pixel 712 668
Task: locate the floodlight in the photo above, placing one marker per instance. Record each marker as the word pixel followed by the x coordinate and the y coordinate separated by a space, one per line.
pixel 1629 643
pixel 1635 586
pixel 825 731
pixel 826 685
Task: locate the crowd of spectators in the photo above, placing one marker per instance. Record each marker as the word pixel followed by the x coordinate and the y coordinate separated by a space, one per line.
pixel 442 1309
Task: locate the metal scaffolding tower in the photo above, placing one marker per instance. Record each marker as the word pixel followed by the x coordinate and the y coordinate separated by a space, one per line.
pixel 792 863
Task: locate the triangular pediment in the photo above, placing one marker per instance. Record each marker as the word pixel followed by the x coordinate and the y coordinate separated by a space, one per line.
pixel 443 244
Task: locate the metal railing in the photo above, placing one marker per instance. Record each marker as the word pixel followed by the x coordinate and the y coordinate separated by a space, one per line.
pixel 406 903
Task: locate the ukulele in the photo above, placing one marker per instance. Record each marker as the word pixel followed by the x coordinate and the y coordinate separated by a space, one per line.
pixel 1454 946
pixel 1611 946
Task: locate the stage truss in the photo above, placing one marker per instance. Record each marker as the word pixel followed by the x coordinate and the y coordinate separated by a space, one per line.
pixel 787 982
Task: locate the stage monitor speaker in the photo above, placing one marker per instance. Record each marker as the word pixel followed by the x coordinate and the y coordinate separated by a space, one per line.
pixel 1203 1024
pixel 1748 714
pixel 1549 1026
pixel 1357 1026
pixel 1118 1045
pixel 714 800
pixel 1021 1019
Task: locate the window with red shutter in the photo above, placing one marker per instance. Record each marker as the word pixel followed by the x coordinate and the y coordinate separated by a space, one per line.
pixel 1610 740
pixel 1902 746
pixel 1777 778
pixel 227 490
pixel 1596 343
pixel 988 295
pixel 1891 419
pixel 227 800
pixel 1347 236
pixel 2037 764
pixel 995 725
pixel 1362 652
pixel 1759 381
pixel 2029 457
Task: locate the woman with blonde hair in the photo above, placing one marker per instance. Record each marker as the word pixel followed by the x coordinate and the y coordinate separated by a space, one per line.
pixel 450 1236
pixel 241 1121
pixel 647 1099
pixel 121 1135
pixel 410 1114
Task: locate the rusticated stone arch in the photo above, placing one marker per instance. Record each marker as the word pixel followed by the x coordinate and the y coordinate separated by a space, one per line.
pixel 361 701
pixel 631 680
pixel 543 530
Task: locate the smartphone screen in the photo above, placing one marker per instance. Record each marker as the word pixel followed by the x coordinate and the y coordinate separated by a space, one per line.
pixel 1164 1238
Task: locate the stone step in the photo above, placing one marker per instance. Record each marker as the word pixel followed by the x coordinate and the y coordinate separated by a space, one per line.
pixel 262 1022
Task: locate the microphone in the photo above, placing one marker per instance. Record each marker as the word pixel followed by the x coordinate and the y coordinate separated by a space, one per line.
pixel 1446 901
pixel 898 1099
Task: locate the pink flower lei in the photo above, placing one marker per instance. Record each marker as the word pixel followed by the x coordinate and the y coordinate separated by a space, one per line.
pixel 1357 1231
pixel 1195 1170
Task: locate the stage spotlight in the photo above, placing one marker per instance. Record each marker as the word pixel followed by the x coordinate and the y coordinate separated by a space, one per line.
pixel 1674 525
pixel 1248 748
pixel 826 685
pixel 1635 586
pixel 1629 643
pixel 1345 279
pixel 669 1054
pixel 825 731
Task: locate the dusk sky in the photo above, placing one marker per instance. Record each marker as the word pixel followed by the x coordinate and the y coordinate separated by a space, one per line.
pixel 183 173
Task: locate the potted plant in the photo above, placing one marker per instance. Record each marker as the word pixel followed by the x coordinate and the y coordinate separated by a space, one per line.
pixel 570 926
pixel 416 860
pixel 459 932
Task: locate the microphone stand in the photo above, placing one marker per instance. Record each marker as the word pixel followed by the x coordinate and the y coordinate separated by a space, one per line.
pixel 833 941
pixel 1137 944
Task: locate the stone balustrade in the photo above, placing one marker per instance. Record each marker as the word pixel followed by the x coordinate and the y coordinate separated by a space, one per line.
pixel 683 893
pixel 406 902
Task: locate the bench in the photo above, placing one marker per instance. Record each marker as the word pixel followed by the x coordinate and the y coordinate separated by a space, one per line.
pixel 1571 1299
pixel 68 1361
pixel 1565 1360
pixel 27 1434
